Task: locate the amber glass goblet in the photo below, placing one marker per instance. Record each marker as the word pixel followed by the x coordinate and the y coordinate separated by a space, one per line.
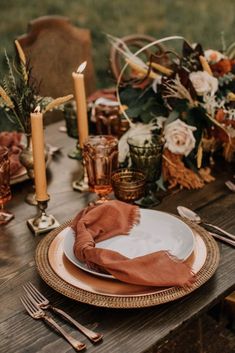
pixel 5 191
pixel 100 155
pixel 146 155
pixel 109 120
pixel 128 184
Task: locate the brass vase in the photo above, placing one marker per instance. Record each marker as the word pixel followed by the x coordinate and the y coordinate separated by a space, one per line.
pixel 26 157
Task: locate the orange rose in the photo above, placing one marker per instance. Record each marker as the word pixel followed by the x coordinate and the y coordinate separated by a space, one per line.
pixel 222 67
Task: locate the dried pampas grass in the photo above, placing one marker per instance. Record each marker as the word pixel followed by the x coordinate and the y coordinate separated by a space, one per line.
pixel 58 101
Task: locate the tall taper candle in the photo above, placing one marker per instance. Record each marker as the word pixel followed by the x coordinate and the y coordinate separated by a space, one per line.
pixel 80 96
pixel 39 156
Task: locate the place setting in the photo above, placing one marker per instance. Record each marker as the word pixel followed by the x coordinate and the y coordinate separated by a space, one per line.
pixel 157 135
pixel 130 239
pixel 181 244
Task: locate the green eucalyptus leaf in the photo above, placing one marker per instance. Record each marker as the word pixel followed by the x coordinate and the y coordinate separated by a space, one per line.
pixel 191 162
pixel 7 122
pixel 174 115
pixel 134 111
pixel 128 95
pixel 158 110
pixel 146 117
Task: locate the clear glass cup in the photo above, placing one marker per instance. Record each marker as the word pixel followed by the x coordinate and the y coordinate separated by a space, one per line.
pixel 100 155
pixel 146 155
pixel 5 190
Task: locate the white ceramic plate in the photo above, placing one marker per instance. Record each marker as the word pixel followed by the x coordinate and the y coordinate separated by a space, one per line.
pixel 156 231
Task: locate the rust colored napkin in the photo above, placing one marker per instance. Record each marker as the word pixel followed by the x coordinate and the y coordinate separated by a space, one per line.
pixel 97 223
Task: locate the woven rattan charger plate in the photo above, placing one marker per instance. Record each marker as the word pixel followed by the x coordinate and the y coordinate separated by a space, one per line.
pixel 125 296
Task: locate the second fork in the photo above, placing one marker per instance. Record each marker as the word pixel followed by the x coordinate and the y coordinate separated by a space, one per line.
pixel 36 313
pixel 44 303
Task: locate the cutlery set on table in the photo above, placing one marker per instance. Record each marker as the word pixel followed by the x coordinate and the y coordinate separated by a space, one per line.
pixel 213 230
pixel 36 305
pixel 156 233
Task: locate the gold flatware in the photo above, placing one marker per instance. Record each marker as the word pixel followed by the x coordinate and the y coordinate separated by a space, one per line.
pixel 36 313
pixel 188 214
pixel 43 303
pixel 230 185
pixel 194 217
pixel 224 239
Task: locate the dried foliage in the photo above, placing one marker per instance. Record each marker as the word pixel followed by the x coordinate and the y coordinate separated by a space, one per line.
pixel 229 150
pixel 58 101
pixel 175 173
pixel 19 92
pixel 205 174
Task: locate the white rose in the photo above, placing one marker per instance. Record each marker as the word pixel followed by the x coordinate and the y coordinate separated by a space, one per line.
pixel 179 137
pixel 213 56
pixel 204 83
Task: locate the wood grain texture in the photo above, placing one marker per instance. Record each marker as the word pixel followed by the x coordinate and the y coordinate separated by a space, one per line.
pixel 133 330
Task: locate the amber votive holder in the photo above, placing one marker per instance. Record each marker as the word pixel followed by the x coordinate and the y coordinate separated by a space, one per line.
pixel 128 184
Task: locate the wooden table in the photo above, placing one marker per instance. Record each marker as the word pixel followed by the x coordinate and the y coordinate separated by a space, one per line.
pixel 137 330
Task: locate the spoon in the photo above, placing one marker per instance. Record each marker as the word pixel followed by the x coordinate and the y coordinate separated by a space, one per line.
pixel 194 217
pixel 225 240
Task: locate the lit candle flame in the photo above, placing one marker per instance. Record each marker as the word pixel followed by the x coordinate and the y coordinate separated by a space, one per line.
pixel 81 67
pixel 37 109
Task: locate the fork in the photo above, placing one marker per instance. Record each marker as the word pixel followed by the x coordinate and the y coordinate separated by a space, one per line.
pixel 36 313
pixel 43 303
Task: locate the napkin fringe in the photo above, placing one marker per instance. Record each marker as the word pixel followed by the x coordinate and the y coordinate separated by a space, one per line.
pixel 193 278
pixel 133 219
pixel 173 257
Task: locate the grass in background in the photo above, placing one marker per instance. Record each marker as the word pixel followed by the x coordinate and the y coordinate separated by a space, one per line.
pixel 198 21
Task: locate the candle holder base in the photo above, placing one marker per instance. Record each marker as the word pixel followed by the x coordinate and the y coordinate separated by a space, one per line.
pixel 31 199
pixel 42 223
pixel 76 153
pixel 81 185
pixel 5 216
pixel 148 201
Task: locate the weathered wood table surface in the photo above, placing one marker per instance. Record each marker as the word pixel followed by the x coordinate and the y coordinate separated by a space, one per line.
pixel 133 330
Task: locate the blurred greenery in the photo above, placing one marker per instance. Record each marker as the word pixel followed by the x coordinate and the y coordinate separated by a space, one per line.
pixel 198 21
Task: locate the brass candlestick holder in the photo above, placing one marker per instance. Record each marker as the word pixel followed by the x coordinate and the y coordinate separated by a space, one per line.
pixel 76 153
pixel 42 223
pixel 82 183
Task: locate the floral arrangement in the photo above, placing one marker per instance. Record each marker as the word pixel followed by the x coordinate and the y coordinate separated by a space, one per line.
pixel 188 99
pixel 19 93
